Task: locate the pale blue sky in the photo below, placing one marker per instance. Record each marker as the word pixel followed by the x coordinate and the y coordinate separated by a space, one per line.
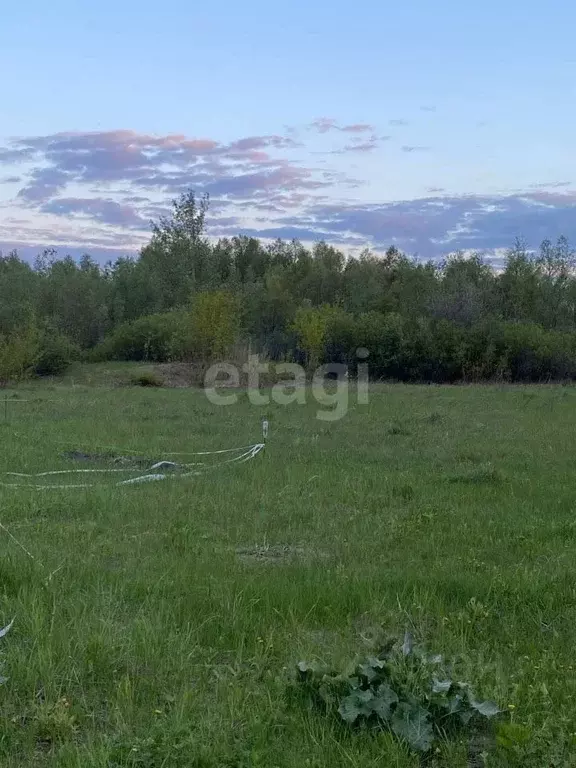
pixel 442 101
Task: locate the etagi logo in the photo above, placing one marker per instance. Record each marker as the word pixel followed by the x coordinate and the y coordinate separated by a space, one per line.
pixel 330 387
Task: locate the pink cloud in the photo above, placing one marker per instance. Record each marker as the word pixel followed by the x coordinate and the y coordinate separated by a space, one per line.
pixel 170 162
pixel 358 128
pixel 324 124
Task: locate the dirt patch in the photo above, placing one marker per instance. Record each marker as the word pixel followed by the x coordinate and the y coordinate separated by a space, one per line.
pixel 113 459
pixel 82 456
pixel 181 375
pixel 277 554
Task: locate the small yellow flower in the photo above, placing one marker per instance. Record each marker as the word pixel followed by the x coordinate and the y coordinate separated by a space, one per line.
pixel 511 706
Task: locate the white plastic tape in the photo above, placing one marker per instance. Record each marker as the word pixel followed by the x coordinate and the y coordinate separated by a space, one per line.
pixel 245 453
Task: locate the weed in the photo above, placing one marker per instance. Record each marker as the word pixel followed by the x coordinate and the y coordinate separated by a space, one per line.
pixel 402 690
pixel 55 723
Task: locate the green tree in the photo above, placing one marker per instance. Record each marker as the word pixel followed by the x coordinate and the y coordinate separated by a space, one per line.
pixel 214 324
pixel 18 353
pixel 311 324
pixel 74 299
pixel 19 286
pixel 177 259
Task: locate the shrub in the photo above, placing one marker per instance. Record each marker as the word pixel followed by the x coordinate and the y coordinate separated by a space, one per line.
pixel 213 325
pixel 311 326
pixel 18 354
pixel 341 338
pixel 55 354
pixel 155 338
pixel 147 379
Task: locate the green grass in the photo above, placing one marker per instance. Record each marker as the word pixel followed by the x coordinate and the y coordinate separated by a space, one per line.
pixel 158 625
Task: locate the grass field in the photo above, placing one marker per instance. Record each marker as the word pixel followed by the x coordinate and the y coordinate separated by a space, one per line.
pixel 158 625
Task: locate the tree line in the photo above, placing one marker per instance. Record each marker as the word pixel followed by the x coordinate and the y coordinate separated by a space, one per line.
pixel 188 298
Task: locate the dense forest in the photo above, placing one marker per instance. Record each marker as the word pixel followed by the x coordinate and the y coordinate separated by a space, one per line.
pixel 188 298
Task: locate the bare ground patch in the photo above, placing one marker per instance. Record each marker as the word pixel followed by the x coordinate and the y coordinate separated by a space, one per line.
pixel 278 554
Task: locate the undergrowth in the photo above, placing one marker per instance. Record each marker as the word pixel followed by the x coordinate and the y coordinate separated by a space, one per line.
pixel 403 689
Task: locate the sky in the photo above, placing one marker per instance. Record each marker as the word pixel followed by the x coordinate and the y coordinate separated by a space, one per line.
pixel 432 126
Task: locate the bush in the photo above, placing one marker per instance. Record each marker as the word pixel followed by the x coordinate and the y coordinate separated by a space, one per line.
pixel 341 338
pixel 529 353
pixel 385 338
pixel 55 354
pixel 18 354
pixel 214 323
pixel 155 338
pixel 147 379
pixel 401 349
pixel 383 335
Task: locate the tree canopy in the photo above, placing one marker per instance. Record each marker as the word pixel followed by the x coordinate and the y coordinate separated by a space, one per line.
pixel 189 297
